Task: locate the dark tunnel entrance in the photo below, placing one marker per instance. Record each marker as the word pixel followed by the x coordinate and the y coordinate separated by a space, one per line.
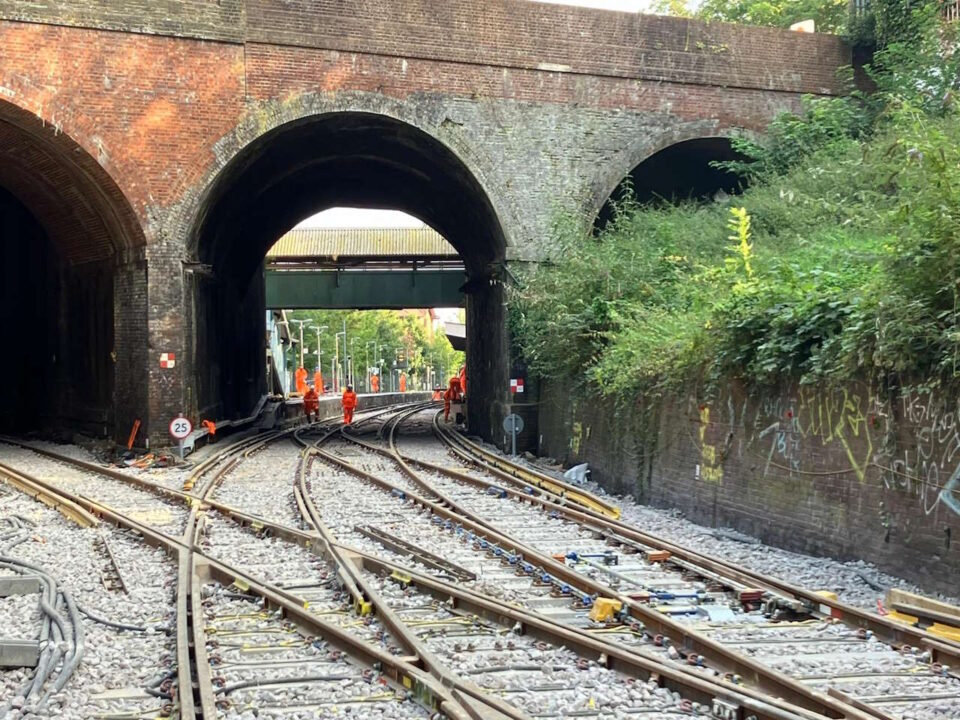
pixel 682 171
pixel 348 159
pixel 63 226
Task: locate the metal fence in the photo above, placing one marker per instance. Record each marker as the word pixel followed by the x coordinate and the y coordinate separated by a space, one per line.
pixel 950 9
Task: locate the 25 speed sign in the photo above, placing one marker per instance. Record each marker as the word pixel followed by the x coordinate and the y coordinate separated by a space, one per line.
pixel 180 427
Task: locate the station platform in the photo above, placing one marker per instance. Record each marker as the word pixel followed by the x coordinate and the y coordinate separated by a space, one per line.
pixel 330 402
pixel 275 415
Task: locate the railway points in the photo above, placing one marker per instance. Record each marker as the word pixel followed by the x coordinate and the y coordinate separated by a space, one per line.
pixel 393 569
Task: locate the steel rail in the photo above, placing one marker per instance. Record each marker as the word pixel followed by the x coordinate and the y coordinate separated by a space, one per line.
pixel 304 538
pixel 683 636
pixel 193 570
pixel 892 633
pixel 608 654
pixel 752 699
pixel 369 599
pixel 195 693
pixel 565 490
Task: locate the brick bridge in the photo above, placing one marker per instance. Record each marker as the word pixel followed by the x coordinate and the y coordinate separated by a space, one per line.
pixel 151 152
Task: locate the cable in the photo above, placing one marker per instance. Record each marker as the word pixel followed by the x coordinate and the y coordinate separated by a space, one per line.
pixel 110 623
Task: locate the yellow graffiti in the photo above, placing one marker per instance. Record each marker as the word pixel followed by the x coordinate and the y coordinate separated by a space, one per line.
pixel 832 418
pixel 710 470
pixel 575 438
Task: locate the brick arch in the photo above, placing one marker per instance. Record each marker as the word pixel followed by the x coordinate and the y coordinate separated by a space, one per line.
pixel 634 155
pixel 71 192
pixel 296 158
pixel 72 278
pixel 196 182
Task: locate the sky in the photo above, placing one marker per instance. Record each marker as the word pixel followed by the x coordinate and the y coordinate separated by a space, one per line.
pixel 355 217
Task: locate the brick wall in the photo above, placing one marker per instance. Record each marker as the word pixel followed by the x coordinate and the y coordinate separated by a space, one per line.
pixel 547 107
pixel 523 35
pixel 131 343
pixel 216 20
pixel 839 473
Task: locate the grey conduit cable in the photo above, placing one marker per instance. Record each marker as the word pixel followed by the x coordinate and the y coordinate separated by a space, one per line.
pixel 59 610
pixel 72 661
pixel 110 623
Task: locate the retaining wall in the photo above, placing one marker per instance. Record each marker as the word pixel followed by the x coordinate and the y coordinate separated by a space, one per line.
pixel 842 473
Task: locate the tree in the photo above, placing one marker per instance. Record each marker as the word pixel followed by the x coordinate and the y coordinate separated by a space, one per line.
pixel 372 335
pixel 829 15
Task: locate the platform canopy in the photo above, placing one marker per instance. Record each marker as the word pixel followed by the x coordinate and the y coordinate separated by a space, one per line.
pixel 363 268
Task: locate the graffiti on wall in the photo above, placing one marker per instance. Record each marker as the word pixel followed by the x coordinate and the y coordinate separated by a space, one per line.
pixel 914 451
pixel 710 467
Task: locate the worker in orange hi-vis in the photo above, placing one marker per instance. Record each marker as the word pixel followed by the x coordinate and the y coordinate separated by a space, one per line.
pixel 403 382
pixel 463 379
pixel 349 402
pixel 451 395
pixel 311 404
pixel 375 383
pixel 211 427
pixel 318 382
pixel 301 380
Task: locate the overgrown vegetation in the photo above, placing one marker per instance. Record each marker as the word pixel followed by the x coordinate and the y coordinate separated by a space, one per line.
pixel 840 262
pixel 829 15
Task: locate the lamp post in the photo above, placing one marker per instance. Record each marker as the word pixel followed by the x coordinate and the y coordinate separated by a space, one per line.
pixel 366 373
pixel 301 323
pixel 345 383
pixel 337 352
pixel 353 355
pixel 318 328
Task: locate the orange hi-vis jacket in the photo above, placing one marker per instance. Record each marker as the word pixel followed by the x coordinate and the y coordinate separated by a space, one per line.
pixel 311 403
pixel 349 400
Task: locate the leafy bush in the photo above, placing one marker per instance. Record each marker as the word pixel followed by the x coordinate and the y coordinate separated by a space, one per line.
pixel 843 264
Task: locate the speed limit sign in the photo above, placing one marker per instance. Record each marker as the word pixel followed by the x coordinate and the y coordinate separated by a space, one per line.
pixel 180 428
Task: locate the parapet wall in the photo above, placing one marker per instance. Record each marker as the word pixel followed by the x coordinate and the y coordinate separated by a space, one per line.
pixel 840 473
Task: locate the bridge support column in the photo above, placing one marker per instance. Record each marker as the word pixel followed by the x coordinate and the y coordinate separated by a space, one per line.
pixel 130 346
pixel 488 358
pixel 491 365
pixel 166 359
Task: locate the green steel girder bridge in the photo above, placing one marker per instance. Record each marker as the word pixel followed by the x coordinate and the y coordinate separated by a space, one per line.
pixel 363 268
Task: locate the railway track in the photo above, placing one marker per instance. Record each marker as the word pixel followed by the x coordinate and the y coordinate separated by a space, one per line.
pixel 107 643
pixel 207 592
pixel 889 682
pixel 208 585
pixel 414 569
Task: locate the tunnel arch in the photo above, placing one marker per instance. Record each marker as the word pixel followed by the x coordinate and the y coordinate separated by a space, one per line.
pixel 669 168
pixel 70 241
pixel 301 167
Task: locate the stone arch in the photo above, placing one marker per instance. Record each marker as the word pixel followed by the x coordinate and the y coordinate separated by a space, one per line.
pixel 71 246
pixel 277 169
pixel 702 135
pixel 266 116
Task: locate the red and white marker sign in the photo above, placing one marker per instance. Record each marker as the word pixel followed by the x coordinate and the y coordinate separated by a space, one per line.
pixel 516 385
pixel 168 360
pixel 180 428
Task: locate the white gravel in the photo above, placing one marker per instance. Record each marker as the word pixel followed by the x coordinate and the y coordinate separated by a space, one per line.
pixel 249 646
pixel 141 504
pixel 262 484
pixel 116 665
